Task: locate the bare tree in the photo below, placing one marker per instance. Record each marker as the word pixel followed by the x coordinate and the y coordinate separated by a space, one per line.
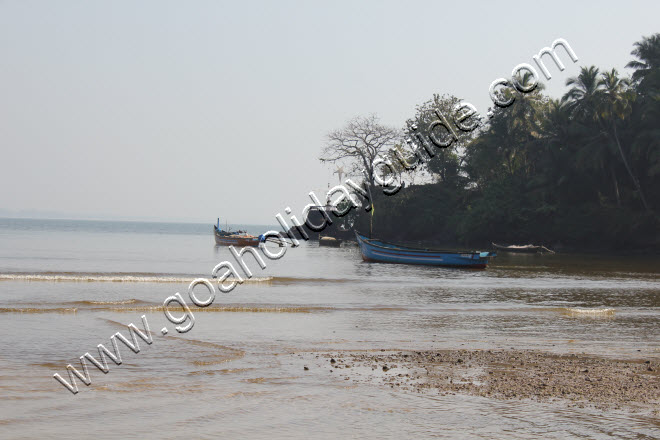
pixel 358 144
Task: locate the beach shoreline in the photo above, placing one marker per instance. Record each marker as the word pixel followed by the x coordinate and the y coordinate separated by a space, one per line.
pixel 577 380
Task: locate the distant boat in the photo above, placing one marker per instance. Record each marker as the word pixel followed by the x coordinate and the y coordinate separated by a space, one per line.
pixel 523 249
pixel 383 252
pixel 225 238
pixel 329 242
pixel 228 231
pixel 233 238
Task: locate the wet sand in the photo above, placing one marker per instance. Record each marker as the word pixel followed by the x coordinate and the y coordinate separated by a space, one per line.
pixel 576 380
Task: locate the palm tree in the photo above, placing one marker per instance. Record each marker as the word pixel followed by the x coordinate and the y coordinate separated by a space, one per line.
pixel 605 99
pixel 646 111
pixel 582 101
pixel 648 52
pixel 522 124
pixel 616 105
pixel 568 139
pixel 526 105
pixel 583 94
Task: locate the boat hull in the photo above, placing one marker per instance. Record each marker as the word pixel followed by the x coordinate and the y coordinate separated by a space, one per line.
pixel 329 242
pixel 242 242
pixel 383 252
pixel 224 239
pixel 528 249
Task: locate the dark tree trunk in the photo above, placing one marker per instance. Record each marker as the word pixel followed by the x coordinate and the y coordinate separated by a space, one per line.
pixel 616 187
pixel 632 176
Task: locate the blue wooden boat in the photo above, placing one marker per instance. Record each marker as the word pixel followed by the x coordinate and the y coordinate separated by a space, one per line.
pixel 383 252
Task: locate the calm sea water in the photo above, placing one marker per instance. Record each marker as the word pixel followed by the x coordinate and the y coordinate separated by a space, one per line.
pixel 67 286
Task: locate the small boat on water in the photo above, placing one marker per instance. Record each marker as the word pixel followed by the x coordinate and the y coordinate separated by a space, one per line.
pixel 523 249
pixel 233 238
pixel 236 239
pixel 383 252
pixel 329 242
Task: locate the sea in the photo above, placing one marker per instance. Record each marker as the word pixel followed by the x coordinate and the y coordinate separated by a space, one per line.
pixel 67 286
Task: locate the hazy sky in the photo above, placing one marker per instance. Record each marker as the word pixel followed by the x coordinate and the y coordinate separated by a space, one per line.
pixel 194 110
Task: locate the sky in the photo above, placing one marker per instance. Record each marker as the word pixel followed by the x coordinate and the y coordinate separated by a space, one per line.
pixel 189 111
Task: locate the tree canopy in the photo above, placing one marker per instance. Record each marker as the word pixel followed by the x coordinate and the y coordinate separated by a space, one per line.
pixel 579 171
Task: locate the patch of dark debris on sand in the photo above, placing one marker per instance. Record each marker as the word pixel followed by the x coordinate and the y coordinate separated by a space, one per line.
pixel 578 380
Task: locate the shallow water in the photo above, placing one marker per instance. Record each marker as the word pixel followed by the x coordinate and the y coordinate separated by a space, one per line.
pixel 66 287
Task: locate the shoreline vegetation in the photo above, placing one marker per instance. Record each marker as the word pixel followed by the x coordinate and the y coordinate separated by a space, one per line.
pixel 577 173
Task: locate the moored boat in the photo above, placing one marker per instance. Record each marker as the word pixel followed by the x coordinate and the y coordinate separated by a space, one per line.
pixel 222 238
pixel 329 242
pixel 523 249
pixel 383 252
pixel 230 238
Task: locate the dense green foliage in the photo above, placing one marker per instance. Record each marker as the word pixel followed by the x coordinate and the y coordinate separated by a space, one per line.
pixel 582 171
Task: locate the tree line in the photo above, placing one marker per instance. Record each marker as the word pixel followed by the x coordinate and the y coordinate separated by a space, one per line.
pixel 581 171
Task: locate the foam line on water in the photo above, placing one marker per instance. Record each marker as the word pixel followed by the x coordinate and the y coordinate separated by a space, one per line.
pixel 113 278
